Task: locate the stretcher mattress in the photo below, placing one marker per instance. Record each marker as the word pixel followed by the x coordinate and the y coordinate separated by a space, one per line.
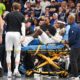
pixel 35 43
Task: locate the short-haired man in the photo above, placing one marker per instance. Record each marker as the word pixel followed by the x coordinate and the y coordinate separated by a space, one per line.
pixel 74 43
pixel 15 27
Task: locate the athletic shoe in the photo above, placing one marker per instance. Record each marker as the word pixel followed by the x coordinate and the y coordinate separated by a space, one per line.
pixel 9 74
pixel 16 74
pixel 74 78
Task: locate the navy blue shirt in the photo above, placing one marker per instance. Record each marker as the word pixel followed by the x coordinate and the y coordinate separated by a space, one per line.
pixel 74 36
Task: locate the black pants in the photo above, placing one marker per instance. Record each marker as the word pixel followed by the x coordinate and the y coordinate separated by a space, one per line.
pixel 3 55
pixel 75 61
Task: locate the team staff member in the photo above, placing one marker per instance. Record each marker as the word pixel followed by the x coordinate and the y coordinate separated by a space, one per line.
pixel 1 28
pixel 74 43
pixel 15 27
pixel 1 40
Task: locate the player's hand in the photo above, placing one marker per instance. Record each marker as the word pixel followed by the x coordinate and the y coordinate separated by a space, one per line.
pixel 64 42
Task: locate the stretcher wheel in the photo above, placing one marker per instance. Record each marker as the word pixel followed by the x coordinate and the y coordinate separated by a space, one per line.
pixel 29 72
pixel 63 74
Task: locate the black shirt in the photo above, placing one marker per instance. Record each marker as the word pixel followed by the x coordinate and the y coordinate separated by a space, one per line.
pixel 49 28
pixel 52 30
pixel 56 7
pixel 14 20
pixel 37 12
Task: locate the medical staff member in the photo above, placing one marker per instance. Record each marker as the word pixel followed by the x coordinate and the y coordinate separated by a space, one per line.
pixel 74 43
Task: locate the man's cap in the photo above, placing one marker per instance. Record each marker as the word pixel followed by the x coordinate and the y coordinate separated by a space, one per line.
pixel 56 14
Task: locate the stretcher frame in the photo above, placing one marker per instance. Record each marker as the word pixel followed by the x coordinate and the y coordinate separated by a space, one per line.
pixel 49 60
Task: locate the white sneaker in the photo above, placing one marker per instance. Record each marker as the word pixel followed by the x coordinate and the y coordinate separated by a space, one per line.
pixel 74 78
pixel 17 74
pixel 9 74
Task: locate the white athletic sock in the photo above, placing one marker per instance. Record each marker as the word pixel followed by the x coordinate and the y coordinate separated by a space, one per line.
pixel 67 63
pixel 8 60
pixel 17 60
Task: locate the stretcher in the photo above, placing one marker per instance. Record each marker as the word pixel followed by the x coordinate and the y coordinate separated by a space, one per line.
pixel 55 51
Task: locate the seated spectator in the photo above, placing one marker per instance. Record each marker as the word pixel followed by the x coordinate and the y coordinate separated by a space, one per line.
pixel 63 11
pixel 71 7
pixel 37 10
pixel 78 13
pixel 54 6
pixel 28 8
pixel 44 4
pixel 54 18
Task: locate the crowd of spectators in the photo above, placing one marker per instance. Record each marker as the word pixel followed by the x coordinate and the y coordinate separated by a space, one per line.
pixel 54 9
